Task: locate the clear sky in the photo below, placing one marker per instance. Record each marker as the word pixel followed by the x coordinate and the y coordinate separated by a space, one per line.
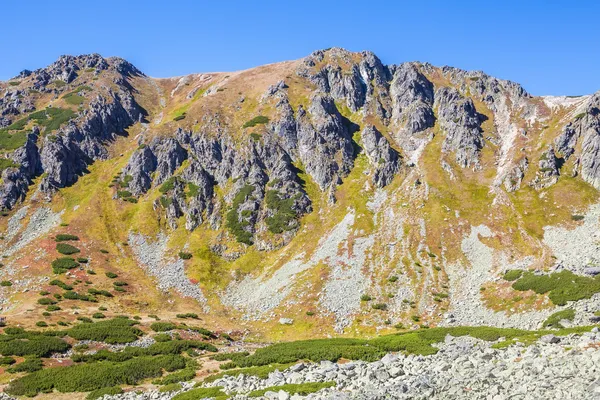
pixel 550 47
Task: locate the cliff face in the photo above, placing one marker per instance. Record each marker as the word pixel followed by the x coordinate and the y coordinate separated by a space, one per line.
pixel 373 174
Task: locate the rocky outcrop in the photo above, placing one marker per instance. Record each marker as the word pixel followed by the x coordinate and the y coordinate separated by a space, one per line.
pixel 548 169
pixel 412 100
pixel 16 180
pixel 66 156
pixel 384 159
pixel 585 129
pixel 324 142
pixel 462 125
pixel 514 178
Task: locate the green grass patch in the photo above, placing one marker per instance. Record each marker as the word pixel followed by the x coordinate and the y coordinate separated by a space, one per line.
pixel 99 393
pixel 513 275
pixel 302 389
pixel 553 321
pixel 561 286
pixel 258 120
pixel 201 393
pixel 261 372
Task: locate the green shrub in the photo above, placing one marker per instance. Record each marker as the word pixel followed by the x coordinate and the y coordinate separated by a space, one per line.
pixel 99 393
pixel 302 389
pixel 71 295
pixel 179 117
pixel 171 387
pixel 7 361
pixel 513 274
pixel 168 185
pixel 392 279
pixel 103 251
pixel 31 344
pixel 98 315
pixel 63 237
pixel 553 321
pixel 41 324
pixel 6 283
pixel 561 286
pixel 380 306
pixel 82 260
pixel 201 393
pixel 236 226
pixel 111 275
pixel 365 297
pixel 162 337
pixel 67 249
pixel 120 283
pixel 163 326
pixel 577 217
pixel 284 216
pixel 63 264
pixel 88 377
pixel 44 301
pixel 180 376
pixel 30 364
pixel 187 315
pixel 61 284
pixel 118 330
pixel 184 255
pixel 97 292
pixel 258 120
pixel 52 308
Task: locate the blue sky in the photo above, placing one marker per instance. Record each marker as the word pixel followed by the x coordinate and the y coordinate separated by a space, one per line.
pixel 550 47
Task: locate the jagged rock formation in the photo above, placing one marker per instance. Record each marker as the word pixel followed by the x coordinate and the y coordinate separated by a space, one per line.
pixel 585 129
pixel 62 157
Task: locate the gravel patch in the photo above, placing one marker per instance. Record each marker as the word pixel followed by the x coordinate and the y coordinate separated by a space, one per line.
pixel 577 249
pixel 466 307
pixel 40 223
pixel 170 273
pixel 257 296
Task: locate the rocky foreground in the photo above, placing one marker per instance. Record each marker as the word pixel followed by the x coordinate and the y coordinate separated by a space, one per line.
pixel 464 368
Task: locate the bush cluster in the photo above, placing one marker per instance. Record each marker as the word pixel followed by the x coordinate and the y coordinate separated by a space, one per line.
pixel 94 376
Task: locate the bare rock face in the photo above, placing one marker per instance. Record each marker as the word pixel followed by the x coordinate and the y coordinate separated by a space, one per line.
pixel 462 125
pixel 66 156
pixel 323 139
pixel 63 156
pixel 585 129
pixel 384 159
pixel 412 99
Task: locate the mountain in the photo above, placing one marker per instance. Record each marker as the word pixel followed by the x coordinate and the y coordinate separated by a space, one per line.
pixel 331 195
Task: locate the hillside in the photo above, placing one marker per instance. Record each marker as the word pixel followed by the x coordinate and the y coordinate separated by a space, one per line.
pixel 331 195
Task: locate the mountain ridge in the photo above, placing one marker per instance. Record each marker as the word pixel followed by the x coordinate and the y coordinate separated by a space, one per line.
pixel 305 186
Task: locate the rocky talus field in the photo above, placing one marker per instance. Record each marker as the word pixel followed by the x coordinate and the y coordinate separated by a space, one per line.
pixel 324 228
